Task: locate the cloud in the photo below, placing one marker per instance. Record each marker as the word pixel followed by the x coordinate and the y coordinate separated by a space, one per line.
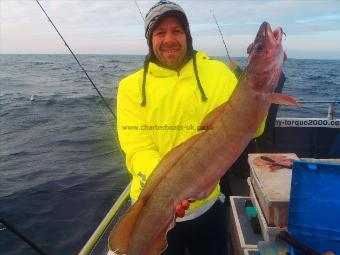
pixel 335 17
pixel 101 23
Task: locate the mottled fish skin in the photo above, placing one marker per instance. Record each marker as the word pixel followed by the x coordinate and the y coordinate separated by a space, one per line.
pixel 193 169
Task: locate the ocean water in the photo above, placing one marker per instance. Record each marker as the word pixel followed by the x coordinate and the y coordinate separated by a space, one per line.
pixel 60 166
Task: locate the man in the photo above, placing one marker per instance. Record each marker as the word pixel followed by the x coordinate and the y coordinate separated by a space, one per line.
pixel 161 106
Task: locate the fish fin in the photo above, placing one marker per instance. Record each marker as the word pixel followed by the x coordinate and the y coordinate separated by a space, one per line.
pixel 282 99
pixel 285 57
pixel 121 233
pixel 209 120
pixel 161 242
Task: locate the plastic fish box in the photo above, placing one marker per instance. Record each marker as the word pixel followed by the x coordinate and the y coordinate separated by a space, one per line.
pixel 268 233
pixel 271 177
pixel 314 210
pixel 241 233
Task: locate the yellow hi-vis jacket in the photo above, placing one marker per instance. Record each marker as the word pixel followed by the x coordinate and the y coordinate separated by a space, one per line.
pixel 173 112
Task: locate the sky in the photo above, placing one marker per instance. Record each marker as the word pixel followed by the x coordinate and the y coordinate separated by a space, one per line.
pixel 312 27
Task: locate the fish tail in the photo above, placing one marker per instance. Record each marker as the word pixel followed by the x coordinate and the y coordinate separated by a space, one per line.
pixel 160 244
pixel 121 233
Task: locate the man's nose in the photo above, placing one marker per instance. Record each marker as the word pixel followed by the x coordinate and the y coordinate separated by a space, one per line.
pixel 169 38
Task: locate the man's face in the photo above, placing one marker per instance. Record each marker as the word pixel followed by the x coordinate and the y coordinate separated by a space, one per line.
pixel 169 43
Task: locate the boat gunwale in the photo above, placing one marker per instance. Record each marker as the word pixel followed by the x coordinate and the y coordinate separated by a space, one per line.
pixel 97 234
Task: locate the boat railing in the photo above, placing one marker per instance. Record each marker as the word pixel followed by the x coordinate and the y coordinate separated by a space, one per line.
pixel 92 242
pixel 329 121
pixel 331 105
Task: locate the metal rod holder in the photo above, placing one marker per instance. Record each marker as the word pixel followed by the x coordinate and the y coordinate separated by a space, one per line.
pixel 330 114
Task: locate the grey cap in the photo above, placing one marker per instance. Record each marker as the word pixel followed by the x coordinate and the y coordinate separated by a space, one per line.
pixel 162 9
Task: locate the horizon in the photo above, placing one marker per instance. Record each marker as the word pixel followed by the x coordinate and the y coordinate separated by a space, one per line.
pixel 95 28
pixel 141 55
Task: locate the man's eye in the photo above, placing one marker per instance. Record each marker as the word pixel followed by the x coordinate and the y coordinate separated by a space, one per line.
pixel 159 33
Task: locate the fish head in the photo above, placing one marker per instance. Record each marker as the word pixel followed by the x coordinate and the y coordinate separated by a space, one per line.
pixel 266 56
pixel 266 41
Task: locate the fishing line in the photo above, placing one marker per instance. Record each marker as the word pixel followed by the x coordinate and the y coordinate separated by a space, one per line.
pixel 219 29
pixel 21 236
pixel 82 68
pixel 88 77
pixel 92 83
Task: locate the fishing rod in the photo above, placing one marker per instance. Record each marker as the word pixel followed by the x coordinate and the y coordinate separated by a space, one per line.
pixel 219 29
pixel 87 75
pixel 89 78
pixel 140 12
pixel 21 236
pixel 231 63
pixel 75 57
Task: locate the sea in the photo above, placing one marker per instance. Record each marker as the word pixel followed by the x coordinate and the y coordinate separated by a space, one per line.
pixel 61 167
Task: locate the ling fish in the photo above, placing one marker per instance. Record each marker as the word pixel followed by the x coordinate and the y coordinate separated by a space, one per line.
pixel 192 169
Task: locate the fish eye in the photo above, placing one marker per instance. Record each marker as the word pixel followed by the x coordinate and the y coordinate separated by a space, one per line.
pixel 259 47
pixel 250 48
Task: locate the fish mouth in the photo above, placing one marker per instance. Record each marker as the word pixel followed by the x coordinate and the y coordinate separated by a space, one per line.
pixel 264 32
pixel 265 38
pixel 277 34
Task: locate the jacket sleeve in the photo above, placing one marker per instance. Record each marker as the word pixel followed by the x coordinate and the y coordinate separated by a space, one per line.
pixel 141 152
pixel 261 128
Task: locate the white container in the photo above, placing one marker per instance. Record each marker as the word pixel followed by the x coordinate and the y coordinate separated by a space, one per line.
pixel 271 183
pixel 241 234
pixel 268 233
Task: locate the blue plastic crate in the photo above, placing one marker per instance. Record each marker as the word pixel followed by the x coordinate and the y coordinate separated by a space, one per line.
pixel 314 208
